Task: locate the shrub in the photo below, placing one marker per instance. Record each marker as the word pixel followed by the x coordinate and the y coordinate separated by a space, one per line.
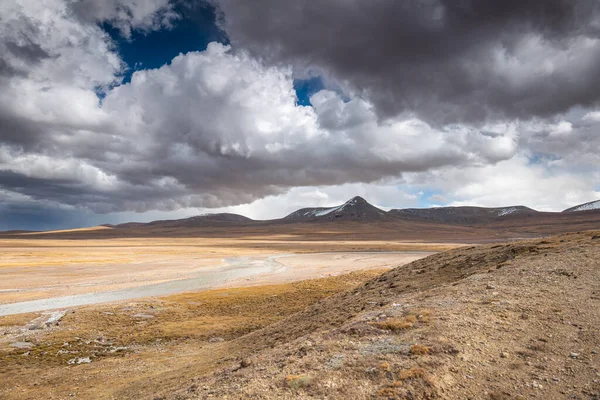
pixel 418 349
pixel 298 381
pixel 396 324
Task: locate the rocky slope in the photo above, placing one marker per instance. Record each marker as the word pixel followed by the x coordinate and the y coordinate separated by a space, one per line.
pixel 504 321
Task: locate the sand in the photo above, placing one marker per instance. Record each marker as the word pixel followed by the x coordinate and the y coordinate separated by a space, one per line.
pixel 54 273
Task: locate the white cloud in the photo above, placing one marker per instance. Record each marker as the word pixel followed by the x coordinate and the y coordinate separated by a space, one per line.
pixel 219 128
pixel 593 116
pixel 515 182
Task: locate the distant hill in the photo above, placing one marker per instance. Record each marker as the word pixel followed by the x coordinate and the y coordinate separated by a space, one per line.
pixel 355 209
pixel 592 205
pixel 462 215
pixel 448 223
pixel 205 220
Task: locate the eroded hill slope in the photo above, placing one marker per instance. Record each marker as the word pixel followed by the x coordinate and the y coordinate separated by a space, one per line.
pixel 517 320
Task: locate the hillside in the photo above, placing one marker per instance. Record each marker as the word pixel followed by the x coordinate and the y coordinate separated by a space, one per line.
pixel 207 220
pixel 504 321
pixel 592 205
pixel 463 215
pixel 355 209
pixel 357 217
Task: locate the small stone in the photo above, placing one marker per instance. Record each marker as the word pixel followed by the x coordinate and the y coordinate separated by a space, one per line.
pixel 504 354
pixel 82 360
pixel 574 355
pixel 143 316
pixel 490 286
pixel 216 340
pixel 22 345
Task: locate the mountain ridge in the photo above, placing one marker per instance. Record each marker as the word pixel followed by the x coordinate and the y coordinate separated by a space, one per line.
pixel 462 214
pixel 357 209
pixel 592 205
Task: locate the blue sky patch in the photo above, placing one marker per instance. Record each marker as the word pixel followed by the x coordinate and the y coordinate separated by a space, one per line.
pixel 306 88
pixel 193 32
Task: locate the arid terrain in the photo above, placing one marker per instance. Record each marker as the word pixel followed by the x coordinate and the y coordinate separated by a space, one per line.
pixel 489 321
pixel 327 309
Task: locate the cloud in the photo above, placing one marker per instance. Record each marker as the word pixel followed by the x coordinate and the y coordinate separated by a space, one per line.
pixel 126 15
pixel 517 181
pixel 446 61
pixel 211 129
pixel 438 198
pixel 222 128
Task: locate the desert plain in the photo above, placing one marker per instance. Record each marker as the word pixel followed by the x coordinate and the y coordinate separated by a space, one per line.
pixel 292 311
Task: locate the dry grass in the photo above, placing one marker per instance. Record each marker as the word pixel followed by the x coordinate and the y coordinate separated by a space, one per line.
pixel 115 336
pixel 419 350
pixel 412 373
pixel 396 324
pixel 298 381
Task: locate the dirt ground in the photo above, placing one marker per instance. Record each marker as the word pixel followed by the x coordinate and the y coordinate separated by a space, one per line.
pixel 123 343
pixel 498 321
pixel 505 321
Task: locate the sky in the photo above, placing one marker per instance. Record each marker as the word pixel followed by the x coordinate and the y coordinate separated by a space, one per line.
pixel 128 110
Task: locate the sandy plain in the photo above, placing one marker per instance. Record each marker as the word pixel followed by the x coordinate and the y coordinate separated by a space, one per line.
pixel 154 334
pixel 49 268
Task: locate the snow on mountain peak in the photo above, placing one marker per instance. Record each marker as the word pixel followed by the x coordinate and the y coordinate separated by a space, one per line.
pixel 592 205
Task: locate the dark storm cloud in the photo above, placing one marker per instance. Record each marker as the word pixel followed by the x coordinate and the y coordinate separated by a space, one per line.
pixel 447 60
pixel 18 48
pixel 220 127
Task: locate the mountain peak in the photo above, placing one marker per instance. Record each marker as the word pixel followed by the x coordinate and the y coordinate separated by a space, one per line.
pixel 357 200
pixel 355 209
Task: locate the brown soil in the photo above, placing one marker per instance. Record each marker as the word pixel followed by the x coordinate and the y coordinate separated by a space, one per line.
pixel 496 321
pixel 505 321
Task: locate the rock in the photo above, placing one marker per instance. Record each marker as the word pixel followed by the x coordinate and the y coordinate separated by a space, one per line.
pixel 504 354
pixel 143 316
pixel 55 317
pixel 216 340
pixel 574 355
pixel 245 363
pixel 81 360
pixel 22 345
pixel 490 286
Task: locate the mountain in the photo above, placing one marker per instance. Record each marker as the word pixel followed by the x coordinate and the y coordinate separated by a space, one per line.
pixel 462 215
pixel 222 219
pixel 355 209
pixel 441 222
pixel 592 205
